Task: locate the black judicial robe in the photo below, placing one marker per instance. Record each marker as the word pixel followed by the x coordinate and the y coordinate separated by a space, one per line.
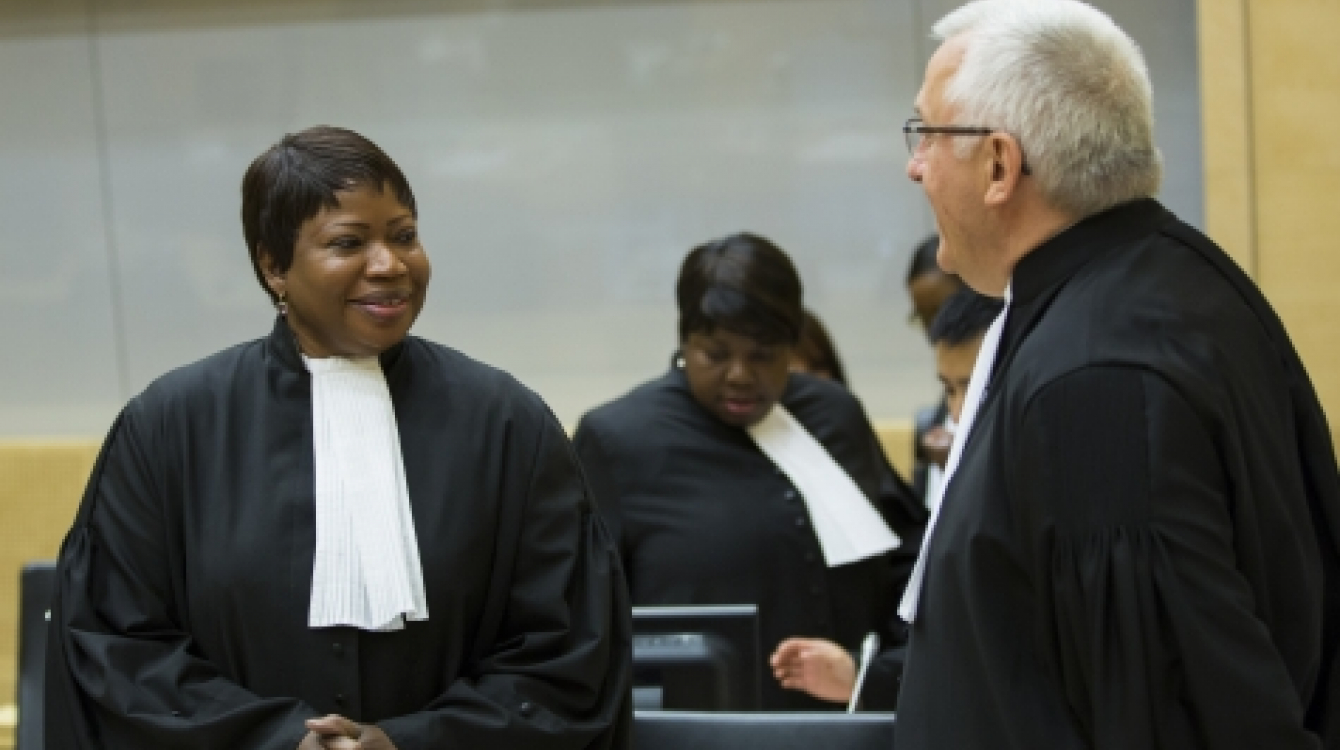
pixel 1139 547
pixel 181 614
pixel 702 516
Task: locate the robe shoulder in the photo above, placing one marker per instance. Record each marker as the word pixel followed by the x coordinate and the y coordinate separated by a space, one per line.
pixel 631 413
pixel 229 376
pixel 809 398
pixel 667 402
pixel 474 383
pixel 1182 316
pixel 189 385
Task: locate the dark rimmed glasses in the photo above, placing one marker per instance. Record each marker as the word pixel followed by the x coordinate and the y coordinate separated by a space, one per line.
pixel 915 132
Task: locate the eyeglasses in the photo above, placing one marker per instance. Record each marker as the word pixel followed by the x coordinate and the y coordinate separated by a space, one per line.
pixel 915 132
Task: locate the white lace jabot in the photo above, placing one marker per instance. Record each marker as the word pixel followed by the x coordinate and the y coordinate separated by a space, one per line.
pixel 366 571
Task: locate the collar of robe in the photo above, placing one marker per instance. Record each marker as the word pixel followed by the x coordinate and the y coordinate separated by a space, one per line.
pixel 847 525
pixel 282 344
pixel 1058 258
pixel 1041 273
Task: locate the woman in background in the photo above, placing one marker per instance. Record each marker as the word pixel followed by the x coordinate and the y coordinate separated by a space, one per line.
pixel 338 535
pixel 708 508
pixel 929 287
pixel 815 353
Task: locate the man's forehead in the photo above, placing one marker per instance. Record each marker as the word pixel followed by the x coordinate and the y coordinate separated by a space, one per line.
pixel 939 69
pixel 950 52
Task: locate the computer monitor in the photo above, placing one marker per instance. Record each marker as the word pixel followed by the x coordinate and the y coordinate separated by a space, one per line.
pixel 761 730
pixel 697 658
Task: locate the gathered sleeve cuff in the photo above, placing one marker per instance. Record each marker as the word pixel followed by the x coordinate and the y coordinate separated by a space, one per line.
pixel 122 671
pixel 1153 630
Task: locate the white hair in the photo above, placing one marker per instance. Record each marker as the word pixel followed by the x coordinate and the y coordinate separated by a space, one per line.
pixel 1070 86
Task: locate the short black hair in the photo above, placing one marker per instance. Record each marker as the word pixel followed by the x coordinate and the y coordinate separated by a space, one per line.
pixel 742 283
pixel 817 350
pixel 923 259
pixel 964 316
pixel 299 176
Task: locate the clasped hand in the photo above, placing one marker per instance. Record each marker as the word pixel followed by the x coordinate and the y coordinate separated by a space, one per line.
pixel 334 732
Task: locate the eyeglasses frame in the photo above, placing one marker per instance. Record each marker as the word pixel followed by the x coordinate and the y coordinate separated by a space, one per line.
pixel 922 129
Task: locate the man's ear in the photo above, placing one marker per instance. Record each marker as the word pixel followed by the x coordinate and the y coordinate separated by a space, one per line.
pixel 274 276
pixel 1007 166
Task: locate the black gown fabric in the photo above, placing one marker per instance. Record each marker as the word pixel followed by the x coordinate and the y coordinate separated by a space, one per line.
pixel 1138 549
pixel 181 614
pixel 702 516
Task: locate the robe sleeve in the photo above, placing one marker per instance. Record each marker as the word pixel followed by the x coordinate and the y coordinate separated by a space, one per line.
pixel 598 466
pixel 122 671
pixel 1151 626
pixel 559 671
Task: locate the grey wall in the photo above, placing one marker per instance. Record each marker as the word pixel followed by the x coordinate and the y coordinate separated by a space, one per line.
pixel 566 154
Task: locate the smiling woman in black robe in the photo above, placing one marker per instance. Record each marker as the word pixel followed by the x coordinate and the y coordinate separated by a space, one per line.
pixel 182 615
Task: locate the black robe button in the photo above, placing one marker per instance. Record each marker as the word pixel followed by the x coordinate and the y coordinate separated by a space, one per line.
pixel 800 522
pixel 339 698
pixel 791 495
pixel 527 709
pixel 337 648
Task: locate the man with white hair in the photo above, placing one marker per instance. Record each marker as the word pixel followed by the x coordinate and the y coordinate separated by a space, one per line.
pixel 1137 547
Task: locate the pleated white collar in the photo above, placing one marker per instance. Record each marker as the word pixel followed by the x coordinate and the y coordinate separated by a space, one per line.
pixel 366 571
pixel 848 526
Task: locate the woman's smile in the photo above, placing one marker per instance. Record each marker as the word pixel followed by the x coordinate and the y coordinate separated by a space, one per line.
pixel 385 306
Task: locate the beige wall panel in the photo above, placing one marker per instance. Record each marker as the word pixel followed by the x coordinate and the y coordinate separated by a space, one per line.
pixel 40 487
pixel 1296 106
pixel 897 436
pixel 1226 128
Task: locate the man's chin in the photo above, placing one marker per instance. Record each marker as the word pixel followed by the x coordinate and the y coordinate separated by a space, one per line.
pixel 944 259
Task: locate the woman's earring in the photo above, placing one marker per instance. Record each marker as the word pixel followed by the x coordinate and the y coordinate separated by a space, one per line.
pixel 281 305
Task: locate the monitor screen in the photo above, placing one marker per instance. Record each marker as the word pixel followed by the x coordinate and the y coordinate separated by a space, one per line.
pixel 697 658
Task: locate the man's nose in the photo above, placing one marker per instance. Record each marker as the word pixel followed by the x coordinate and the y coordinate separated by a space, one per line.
pixel 914 168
